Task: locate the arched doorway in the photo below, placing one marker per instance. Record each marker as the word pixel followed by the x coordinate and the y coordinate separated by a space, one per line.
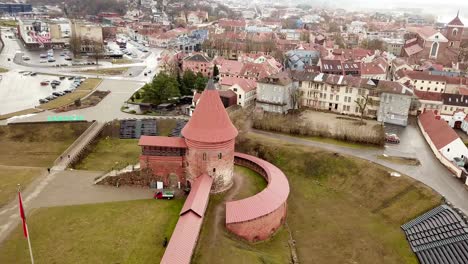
pixel 173 179
pixel 457 124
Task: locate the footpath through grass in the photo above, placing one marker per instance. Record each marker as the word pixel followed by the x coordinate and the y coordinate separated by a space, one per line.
pixel 22 112
pixel 83 90
pixel 336 202
pixel 10 176
pixel 111 153
pixel 217 245
pixel 37 145
pixel 118 232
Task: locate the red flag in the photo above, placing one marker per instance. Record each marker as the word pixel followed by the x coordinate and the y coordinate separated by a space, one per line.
pixel 23 216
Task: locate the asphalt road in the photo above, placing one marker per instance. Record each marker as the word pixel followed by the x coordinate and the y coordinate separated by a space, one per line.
pixel 431 172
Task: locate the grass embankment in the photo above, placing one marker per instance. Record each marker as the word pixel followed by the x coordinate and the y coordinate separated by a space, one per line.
pixel 83 90
pixel 36 145
pixel 8 23
pixel 108 71
pixel 217 245
pixel 11 176
pixel 22 112
pixel 121 61
pixel 400 160
pixel 336 202
pixel 165 126
pixel 119 232
pixel 111 153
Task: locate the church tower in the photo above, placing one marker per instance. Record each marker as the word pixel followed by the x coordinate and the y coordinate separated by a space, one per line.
pixel 454 32
pixel 210 137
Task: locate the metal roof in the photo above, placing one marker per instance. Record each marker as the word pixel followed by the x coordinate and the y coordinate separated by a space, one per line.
pixel 197 200
pixel 438 236
pixel 265 202
pixel 158 141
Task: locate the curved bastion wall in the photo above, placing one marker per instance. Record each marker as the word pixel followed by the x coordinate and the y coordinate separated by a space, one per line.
pixel 258 217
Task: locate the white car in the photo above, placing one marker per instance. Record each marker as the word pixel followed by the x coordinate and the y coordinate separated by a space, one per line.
pixel 26 58
pixel 43 61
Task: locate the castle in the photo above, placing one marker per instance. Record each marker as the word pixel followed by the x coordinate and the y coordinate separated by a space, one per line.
pixel 207 147
pixel 203 160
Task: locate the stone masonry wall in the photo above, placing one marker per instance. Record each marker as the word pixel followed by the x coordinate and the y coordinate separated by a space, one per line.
pixel 162 167
pixel 261 228
pixel 218 163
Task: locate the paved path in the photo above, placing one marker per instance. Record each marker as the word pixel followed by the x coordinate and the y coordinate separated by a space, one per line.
pixel 431 172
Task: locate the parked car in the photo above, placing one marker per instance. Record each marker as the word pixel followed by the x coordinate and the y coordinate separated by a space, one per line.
pixel 42 61
pixel 56 94
pixel 51 97
pixel 45 82
pixel 33 74
pixel 164 195
pixel 68 58
pixel 43 101
pixel 67 91
pixel 43 56
pixel 50 59
pixel 26 58
pixel 71 77
pixel 392 138
pixel 53 85
pixel 56 82
pixel 62 78
pixel 61 93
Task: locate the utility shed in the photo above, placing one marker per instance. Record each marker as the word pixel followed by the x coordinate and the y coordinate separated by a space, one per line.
pixel 438 236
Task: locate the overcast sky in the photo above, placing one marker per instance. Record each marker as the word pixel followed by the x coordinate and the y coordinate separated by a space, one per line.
pixel 444 9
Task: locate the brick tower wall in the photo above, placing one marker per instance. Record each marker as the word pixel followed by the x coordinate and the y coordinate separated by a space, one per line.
pixel 260 228
pixel 216 160
pixel 163 166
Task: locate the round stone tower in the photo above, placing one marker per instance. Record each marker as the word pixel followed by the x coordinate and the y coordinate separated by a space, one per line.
pixel 210 138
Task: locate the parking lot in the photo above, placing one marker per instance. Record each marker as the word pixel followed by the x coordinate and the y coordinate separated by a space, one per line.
pixel 20 91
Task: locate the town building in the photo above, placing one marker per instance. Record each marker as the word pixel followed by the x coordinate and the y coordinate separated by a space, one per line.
pixel 274 93
pixel 245 89
pixel 15 8
pixel 86 37
pixel 299 59
pixel 198 63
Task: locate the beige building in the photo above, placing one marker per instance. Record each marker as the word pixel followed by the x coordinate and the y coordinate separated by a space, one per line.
pixel 86 35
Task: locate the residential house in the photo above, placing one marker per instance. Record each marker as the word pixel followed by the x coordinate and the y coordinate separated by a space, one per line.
pixel 298 59
pixel 198 63
pixel 377 69
pixel 453 103
pixel 274 93
pixel 395 102
pixel 246 90
pixel 429 101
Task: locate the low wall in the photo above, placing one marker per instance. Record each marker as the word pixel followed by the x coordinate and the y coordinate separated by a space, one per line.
pixel 452 167
pixel 258 217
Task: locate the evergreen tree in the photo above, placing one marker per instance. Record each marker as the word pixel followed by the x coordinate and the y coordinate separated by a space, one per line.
pixel 200 82
pixel 161 89
pixel 188 82
pixel 215 71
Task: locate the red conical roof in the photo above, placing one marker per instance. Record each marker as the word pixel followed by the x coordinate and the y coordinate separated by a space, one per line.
pixel 210 122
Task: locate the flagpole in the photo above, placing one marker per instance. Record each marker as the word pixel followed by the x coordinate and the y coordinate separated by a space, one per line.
pixel 27 231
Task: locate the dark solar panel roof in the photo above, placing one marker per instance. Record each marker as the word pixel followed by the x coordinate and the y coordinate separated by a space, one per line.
pixel 438 236
pixel 135 128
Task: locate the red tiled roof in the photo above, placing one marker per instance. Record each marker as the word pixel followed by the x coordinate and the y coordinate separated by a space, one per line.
pixel 210 122
pixel 246 84
pixel 428 96
pixel 419 75
pixel 184 238
pixel 440 133
pixel 463 90
pixel 173 142
pixel 197 199
pixel 263 203
pixel 411 50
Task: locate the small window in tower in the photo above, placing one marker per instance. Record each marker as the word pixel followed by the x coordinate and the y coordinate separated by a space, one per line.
pixel 220 156
pixel 204 156
pixel 214 169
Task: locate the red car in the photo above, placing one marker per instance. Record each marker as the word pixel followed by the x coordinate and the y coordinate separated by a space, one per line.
pixel 392 138
pixel 164 195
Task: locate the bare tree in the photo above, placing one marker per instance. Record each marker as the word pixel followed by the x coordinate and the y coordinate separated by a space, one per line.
pixel 362 103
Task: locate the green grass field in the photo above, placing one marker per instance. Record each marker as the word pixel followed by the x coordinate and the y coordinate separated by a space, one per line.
pixel 340 202
pixel 108 71
pixel 119 232
pixel 21 112
pixel 111 153
pixel 11 176
pixel 37 145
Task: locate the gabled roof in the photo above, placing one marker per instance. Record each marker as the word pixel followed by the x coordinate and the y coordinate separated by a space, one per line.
pixel 210 122
pixel 173 142
pixel 198 57
pixel 428 96
pixel 456 22
pixel 440 133
pixel 197 199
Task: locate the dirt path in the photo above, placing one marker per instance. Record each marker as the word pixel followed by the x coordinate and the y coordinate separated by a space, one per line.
pixel 220 209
